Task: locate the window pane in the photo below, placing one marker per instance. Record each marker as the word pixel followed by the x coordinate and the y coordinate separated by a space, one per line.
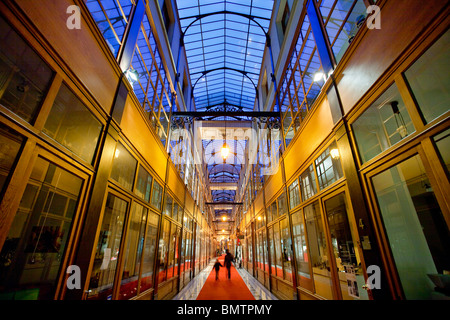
pixel 31 257
pixel 442 141
pixel 10 143
pixel 278 255
pixel 328 167
pixel 168 206
pixel 107 252
pixel 73 125
pixel 124 167
pixel 133 252
pixel 294 195
pixel 417 232
pixel 143 184
pixel 348 261
pixel 286 249
pixel 164 250
pixel 308 183
pixel 24 76
pixel 156 195
pixel 382 125
pixel 301 252
pixel 319 252
pixel 149 252
pixel 429 79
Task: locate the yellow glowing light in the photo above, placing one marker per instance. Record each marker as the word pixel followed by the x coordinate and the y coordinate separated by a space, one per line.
pixel 259 218
pixel 334 153
pixel 225 151
pixel 224 218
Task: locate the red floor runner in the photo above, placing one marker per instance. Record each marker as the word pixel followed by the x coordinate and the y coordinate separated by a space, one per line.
pixel 224 289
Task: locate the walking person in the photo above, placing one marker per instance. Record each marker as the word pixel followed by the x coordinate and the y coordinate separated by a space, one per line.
pixel 228 259
pixel 217 266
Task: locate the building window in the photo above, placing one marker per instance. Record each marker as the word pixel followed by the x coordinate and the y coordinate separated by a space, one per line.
pixel 107 252
pixel 34 249
pixel 301 251
pixel 168 206
pixel 143 184
pixel 124 167
pixel 328 166
pixel 417 232
pixel 285 18
pixel 148 258
pixel 156 195
pixel 24 76
pixel 442 142
pixel 382 125
pixel 10 143
pixel 317 244
pixel 294 194
pixel 429 80
pixel 308 183
pixel 73 125
pixel 133 252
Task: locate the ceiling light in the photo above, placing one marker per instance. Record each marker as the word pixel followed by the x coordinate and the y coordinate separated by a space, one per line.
pixel 132 75
pixel 225 151
pixel 224 218
pixel 318 76
pixel 334 153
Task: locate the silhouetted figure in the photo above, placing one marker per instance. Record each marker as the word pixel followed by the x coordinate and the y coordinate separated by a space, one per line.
pixel 228 259
pixel 217 266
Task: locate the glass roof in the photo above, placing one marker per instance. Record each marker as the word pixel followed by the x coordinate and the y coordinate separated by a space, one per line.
pixel 224 43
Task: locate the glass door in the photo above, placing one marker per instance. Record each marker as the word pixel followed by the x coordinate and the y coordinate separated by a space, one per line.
pixel 343 241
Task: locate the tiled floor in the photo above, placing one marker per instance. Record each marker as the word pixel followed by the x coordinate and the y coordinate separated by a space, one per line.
pixel 191 291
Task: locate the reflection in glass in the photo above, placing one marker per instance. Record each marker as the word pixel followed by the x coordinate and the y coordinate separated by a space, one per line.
pixel 164 251
pixel 286 250
pixel 429 79
pixel 148 258
pixel 24 76
pixel 34 248
pixel 156 195
pixel 10 143
pixel 143 184
pixel 308 183
pixel 348 261
pixel 124 167
pixel 301 252
pixel 382 125
pixel 294 195
pixel 318 251
pixel 328 166
pixel 133 252
pixel 107 252
pixel 442 141
pixel 73 125
pixel 417 232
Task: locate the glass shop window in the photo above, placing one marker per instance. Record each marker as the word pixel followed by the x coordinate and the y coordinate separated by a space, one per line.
pixel 168 206
pixel 73 125
pixel 286 250
pixel 429 79
pixel 344 246
pixel 148 258
pixel 294 194
pixel 282 204
pixel 24 76
pixel 33 252
pixel 143 184
pixel 10 143
pixel 107 251
pixel 124 167
pixel 382 125
pixel 301 251
pixel 164 251
pixel 318 249
pixel 156 195
pixel 416 230
pixel 133 252
pixel 328 166
pixel 278 254
pixel 442 142
pixel 308 183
